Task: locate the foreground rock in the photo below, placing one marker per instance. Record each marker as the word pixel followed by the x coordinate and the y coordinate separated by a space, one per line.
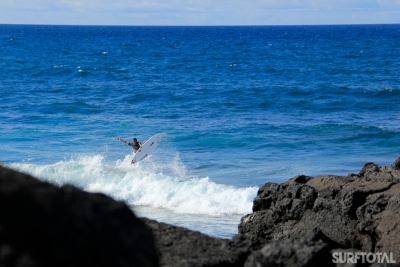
pixel 181 247
pixel 360 211
pixel 291 253
pixel 43 225
pixel 178 246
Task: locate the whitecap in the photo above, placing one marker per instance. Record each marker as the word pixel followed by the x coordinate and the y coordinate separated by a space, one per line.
pixel 148 183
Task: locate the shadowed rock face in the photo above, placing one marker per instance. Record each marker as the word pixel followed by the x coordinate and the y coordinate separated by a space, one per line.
pixel 178 246
pixel 291 253
pixel 181 247
pixel 356 211
pixel 44 225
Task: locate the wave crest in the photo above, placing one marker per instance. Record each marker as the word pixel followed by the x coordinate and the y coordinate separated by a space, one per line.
pixel 160 185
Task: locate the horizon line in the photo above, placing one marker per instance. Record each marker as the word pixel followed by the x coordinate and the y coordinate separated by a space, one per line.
pixel 221 25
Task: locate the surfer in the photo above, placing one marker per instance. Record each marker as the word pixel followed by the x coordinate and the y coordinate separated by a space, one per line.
pixel 135 144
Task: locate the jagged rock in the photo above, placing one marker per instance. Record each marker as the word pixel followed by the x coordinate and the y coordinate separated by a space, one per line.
pixel 357 211
pixel 44 225
pixel 178 246
pixel 379 221
pixel 396 164
pixel 291 253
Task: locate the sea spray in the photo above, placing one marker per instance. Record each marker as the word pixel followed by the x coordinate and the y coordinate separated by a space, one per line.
pixel 148 184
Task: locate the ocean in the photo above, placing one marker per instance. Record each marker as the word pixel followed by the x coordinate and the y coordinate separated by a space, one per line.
pixel 240 107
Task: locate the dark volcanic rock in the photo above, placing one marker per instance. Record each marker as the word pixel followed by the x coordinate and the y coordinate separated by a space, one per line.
pixel 181 247
pixel 358 211
pixel 178 246
pixel 291 253
pixel 44 225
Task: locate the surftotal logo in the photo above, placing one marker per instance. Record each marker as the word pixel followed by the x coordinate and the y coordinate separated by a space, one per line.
pixel 356 257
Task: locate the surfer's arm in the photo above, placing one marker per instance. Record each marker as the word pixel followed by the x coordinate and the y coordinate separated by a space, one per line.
pixel 123 141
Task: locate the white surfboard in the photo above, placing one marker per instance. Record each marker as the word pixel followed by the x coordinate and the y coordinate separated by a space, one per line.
pixel 147 148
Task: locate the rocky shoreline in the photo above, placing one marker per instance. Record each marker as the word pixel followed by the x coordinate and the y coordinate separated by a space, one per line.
pixel 306 221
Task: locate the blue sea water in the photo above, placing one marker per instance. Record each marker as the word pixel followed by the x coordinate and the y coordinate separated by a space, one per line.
pixel 240 106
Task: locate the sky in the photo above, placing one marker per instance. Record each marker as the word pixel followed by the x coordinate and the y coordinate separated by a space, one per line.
pixel 199 12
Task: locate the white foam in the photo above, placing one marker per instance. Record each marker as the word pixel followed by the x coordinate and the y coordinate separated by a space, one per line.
pixel 149 183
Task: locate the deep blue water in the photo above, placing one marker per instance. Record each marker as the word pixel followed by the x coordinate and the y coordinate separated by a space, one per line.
pixel 241 106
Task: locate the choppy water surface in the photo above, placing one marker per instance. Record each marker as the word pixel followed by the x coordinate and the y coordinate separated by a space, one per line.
pixel 241 106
